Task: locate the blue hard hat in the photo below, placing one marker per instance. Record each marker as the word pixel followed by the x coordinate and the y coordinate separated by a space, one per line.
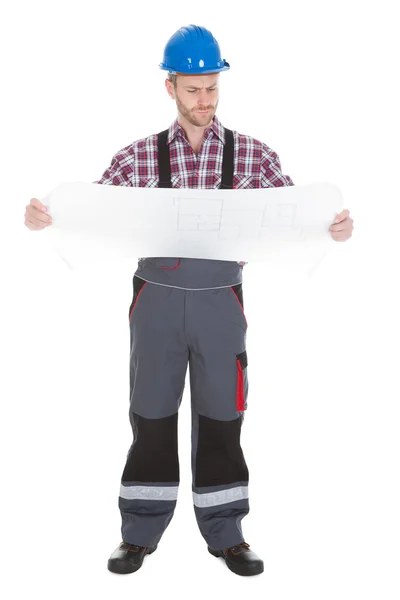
pixel 193 50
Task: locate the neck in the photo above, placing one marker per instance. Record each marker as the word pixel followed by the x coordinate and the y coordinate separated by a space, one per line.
pixel 194 133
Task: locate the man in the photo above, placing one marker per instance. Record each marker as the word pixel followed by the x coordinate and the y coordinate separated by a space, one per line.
pixel 189 311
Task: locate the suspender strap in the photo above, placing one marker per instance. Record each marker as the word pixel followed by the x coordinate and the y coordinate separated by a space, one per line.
pixel 164 166
pixel 227 161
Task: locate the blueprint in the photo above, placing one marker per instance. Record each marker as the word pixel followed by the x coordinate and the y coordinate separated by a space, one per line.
pixel 287 227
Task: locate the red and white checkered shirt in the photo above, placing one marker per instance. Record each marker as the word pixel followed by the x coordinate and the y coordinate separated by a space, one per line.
pixel 255 164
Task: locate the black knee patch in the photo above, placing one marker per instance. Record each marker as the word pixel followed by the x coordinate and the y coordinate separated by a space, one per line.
pixel 219 458
pixel 153 456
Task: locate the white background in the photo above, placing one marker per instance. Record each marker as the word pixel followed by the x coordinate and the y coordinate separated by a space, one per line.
pixel 316 81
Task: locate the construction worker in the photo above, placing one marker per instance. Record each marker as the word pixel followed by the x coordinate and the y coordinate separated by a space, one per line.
pixel 188 312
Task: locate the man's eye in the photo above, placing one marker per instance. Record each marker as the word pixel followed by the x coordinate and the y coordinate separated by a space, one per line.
pixel 193 91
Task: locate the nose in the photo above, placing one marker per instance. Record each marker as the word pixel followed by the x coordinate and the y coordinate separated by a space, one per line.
pixel 202 99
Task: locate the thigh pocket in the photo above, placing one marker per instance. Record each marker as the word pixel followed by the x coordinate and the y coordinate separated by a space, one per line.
pixel 241 386
pixel 138 287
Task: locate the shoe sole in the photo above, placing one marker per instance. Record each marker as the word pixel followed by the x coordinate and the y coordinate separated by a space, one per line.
pixel 124 567
pixel 255 570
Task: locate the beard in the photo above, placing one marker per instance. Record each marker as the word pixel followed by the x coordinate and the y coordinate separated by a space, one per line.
pixel 192 116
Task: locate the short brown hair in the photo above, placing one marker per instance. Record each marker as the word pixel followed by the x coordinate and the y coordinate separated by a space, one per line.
pixel 172 78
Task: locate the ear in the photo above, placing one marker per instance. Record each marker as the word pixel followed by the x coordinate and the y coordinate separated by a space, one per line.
pixel 170 89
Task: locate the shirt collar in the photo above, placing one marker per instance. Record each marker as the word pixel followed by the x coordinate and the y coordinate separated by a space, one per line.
pixel 216 128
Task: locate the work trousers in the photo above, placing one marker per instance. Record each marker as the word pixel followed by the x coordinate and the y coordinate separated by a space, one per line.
pixel 173 325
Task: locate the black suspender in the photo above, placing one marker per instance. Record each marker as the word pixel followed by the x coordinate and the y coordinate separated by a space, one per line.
pixel 227 162
pixel 164 165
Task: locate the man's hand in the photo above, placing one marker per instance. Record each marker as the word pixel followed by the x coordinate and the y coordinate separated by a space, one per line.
pixel 35 215
pixel 342 227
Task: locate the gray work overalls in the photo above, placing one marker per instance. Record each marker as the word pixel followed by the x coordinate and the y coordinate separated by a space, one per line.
pixel 186 311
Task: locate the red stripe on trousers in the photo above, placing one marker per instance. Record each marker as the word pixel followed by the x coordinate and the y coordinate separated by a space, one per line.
pixel 240 388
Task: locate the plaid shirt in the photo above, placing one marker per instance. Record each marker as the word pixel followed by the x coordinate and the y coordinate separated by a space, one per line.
pixel 255 164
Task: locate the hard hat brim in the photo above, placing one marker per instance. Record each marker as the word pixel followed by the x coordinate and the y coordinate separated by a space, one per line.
pixel 198 71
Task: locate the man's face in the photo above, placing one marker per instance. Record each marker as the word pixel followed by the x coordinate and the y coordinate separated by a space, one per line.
pixel 196 97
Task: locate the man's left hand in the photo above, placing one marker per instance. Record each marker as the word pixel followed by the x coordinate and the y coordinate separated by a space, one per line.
pixel 342 227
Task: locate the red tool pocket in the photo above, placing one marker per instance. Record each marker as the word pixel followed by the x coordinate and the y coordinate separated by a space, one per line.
pixel 241 363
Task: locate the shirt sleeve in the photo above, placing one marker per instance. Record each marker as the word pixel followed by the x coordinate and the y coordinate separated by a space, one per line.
pixel 271 170
pixel 118 172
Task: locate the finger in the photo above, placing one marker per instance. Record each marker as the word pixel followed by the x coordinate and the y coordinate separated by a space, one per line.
pixel 37 215
pixel 339 227
pixel 39 222
pixel 341 216
pixel 346 225
pixel 340 235
pixel 37 204
pixel 32 225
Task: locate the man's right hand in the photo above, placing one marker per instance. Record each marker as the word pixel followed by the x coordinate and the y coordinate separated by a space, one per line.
pixel 35 215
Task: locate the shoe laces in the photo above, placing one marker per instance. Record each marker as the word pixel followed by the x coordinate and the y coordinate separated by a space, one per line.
pixel 237 547
pixel 132 547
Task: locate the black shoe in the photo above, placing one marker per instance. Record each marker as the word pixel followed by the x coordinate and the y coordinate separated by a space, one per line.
pixel 240 559
pixel 128 558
